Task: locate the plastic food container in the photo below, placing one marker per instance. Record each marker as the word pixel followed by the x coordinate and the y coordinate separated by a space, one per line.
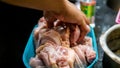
pixel 30 49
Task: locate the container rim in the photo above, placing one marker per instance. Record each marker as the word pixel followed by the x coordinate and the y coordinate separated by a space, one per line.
pixel 104 46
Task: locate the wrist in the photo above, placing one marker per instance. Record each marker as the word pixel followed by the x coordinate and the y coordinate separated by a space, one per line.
pixel 61 4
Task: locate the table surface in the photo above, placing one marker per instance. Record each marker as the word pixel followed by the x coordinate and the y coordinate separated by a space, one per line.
pixel 104 19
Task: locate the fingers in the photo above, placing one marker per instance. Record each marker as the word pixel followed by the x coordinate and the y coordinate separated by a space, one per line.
pixel 84 29
pixel 50 18
pixel 86 20
pixel 81 20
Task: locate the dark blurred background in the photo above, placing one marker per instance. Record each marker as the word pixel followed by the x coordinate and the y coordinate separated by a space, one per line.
pixel 16 24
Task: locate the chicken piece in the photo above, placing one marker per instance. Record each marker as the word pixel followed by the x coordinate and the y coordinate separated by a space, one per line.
pixel 90 53
pixel 79 51
pixel 85 51
pixel 69 32
pixel 57 56
pixel 87 41
pixel 50 35
pixel 35 62
pixel 41 28
pixel 75 34
pixel 52 51
pixel 64 33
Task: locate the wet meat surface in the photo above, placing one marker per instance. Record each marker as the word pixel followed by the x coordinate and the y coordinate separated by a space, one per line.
pixel 57 46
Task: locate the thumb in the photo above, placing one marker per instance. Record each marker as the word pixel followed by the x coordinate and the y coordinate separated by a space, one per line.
pixel 49 17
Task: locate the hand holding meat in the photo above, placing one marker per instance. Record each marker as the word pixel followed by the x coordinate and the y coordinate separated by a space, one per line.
pixel 54 47
pixel 69 14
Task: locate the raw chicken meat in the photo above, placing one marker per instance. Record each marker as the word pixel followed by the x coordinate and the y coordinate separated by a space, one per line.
pixel 75 33
pixel 36 62
pixel 53 51
pixel 57 56
pixel 57 46
pixel 85 51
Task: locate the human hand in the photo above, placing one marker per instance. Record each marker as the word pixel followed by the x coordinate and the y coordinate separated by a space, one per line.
pixel 69 14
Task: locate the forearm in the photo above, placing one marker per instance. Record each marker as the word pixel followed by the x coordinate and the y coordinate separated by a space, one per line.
pixel 52 5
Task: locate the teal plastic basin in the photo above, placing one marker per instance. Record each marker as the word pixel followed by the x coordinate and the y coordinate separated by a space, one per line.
pixel 29 50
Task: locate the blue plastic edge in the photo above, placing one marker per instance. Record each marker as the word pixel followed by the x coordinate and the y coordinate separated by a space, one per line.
pixel 94 47
pixel 29 49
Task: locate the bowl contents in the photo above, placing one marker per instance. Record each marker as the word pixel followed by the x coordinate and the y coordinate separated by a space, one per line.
pixel 113 41
pixel 59 46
